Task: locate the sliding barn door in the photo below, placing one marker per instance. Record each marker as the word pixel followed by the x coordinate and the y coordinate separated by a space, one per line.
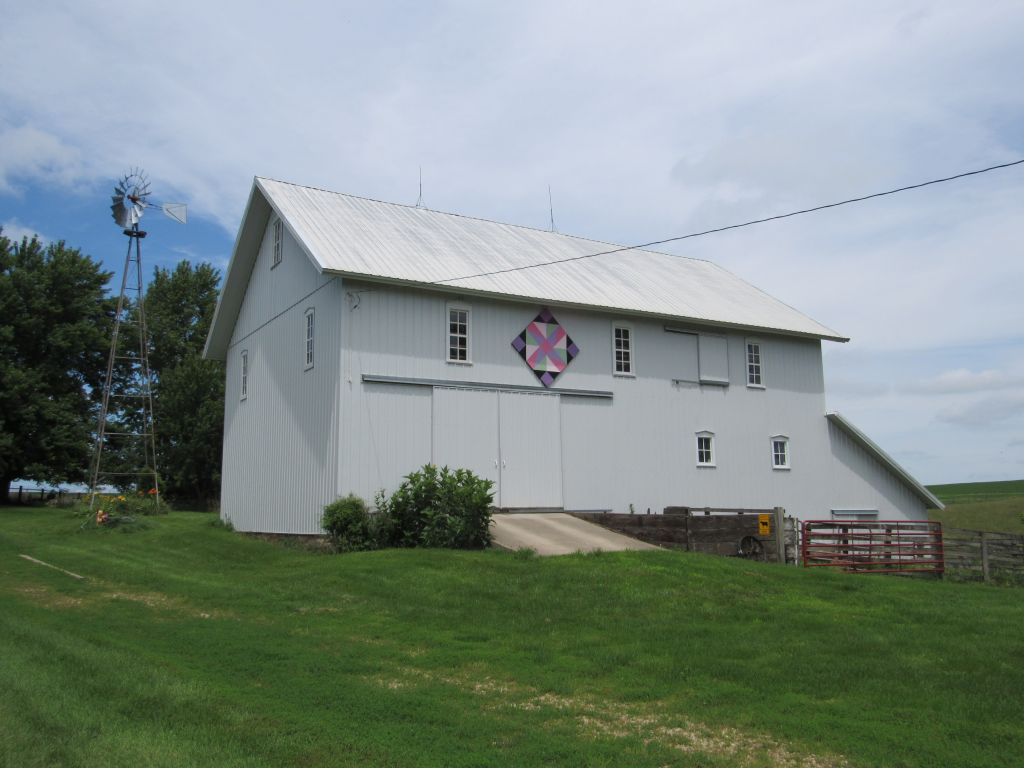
pixel 513 439
pixel 531 450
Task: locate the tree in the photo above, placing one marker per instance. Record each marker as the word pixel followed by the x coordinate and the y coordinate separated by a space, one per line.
pixel 188 390
pixel 54 336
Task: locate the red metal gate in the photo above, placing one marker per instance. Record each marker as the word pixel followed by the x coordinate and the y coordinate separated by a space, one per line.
pixel 876 546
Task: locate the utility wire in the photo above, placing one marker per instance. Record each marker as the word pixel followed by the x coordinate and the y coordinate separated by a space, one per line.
pixel 731 226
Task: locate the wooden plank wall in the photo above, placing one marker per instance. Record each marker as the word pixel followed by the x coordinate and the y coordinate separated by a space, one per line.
pixel 984 555
pixel 692 530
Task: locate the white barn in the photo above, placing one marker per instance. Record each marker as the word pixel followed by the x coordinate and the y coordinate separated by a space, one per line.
pixel 365 339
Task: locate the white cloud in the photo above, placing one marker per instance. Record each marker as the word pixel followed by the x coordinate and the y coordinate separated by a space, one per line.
pixel 962 380
pixel 14 230
pixel 29 151
pixel 1003 410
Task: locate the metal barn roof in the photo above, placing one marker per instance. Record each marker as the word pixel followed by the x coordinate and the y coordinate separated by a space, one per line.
pixel 357 237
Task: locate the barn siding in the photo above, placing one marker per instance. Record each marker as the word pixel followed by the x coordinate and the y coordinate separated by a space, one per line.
pixel 638 448
pixel 280 443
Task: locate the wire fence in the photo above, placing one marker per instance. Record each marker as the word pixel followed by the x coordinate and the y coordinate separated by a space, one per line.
pixel 25 494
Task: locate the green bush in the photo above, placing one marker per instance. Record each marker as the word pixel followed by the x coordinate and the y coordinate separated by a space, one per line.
pixel 347 523
pixel 437 508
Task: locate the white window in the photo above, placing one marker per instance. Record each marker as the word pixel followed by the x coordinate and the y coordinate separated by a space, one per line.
pixel 309 338
pixel 754 378
pixel 622 350
pixel 244 388
pixel 458 334
pixel 705 449
pixel 278 242
pixel 780 452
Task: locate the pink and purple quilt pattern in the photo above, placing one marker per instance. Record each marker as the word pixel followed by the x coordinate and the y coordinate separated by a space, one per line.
pixel 546 347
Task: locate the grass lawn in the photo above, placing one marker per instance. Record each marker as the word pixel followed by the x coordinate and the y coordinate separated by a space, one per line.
pixel 995 506
pixel 188 645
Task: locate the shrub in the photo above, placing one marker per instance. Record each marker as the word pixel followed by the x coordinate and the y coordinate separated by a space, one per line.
pixel 438 508
pixel 347 523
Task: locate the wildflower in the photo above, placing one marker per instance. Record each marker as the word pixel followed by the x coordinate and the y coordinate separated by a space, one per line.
pixel 152 491
pixel 121 498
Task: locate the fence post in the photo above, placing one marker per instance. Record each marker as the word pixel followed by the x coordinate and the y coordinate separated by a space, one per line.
pixel 21 488
pixel 984 557
pixel 780 534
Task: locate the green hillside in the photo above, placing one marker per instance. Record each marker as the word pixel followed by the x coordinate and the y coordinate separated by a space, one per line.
pixel 996 506
pixel 960 493
pixel 188 645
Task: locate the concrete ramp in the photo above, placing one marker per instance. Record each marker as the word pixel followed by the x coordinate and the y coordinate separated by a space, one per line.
pixel 556 533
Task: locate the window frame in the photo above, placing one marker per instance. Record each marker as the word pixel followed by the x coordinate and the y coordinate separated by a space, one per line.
pixel 748 364
pixel 629 350
pixel 243 379
pixel 451 307
pixel 310 337
pixel 786 454
pixel 278 254
pixel 865 514
pixel 711 450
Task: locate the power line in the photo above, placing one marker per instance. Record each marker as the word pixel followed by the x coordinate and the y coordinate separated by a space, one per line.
pixel 732 226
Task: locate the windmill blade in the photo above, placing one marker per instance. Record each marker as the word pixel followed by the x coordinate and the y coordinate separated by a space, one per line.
pixel 120 213
pixel 176 211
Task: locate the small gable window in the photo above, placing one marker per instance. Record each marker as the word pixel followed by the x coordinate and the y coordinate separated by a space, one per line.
pixel 622 350
pixel 458 333
pixel 754 378
pixel 705 449
pixel 244 381
pixel 278 242
pixel 309 337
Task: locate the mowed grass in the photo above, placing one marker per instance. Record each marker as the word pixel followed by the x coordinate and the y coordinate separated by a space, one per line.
pixel 188 645
pixel 996 506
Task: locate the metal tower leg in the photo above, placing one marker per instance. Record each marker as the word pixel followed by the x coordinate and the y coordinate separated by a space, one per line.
pixel 140 379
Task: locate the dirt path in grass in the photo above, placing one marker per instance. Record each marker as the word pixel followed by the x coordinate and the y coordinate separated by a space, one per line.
pixel 599 718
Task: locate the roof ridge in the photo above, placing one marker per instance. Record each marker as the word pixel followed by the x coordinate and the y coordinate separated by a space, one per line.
pixel 619 246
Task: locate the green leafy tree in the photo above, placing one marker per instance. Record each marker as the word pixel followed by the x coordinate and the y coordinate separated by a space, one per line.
pixel 54 335
pixel 188 390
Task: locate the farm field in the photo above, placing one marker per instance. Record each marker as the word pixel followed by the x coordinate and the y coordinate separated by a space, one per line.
pixel 188 645
pixel 997 506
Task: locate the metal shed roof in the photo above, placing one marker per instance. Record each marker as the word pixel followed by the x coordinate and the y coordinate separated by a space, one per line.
pixel 930 499
pixel 370 239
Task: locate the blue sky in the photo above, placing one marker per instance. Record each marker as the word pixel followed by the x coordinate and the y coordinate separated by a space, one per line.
pixel 648 120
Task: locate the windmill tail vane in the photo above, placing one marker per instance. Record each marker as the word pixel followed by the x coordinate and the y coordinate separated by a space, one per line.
pixel 131 199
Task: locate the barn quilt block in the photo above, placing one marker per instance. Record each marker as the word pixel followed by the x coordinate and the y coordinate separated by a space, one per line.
pixel 546 347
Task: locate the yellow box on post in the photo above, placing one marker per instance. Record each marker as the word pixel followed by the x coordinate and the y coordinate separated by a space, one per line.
pixel 764 525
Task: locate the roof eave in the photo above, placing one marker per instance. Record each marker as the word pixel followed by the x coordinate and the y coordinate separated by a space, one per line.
pixel 502 296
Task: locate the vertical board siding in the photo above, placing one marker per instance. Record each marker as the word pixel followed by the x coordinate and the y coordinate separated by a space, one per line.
pixel 385 435
pixel 637 449
pixel 860 482
pixel 280 443
pixel 303 437
pixel 466 432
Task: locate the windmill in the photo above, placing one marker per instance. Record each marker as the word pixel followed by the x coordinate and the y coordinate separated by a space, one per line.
pixel 131 400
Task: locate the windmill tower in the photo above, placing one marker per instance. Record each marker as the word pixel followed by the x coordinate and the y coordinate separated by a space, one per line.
pixel 125 424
